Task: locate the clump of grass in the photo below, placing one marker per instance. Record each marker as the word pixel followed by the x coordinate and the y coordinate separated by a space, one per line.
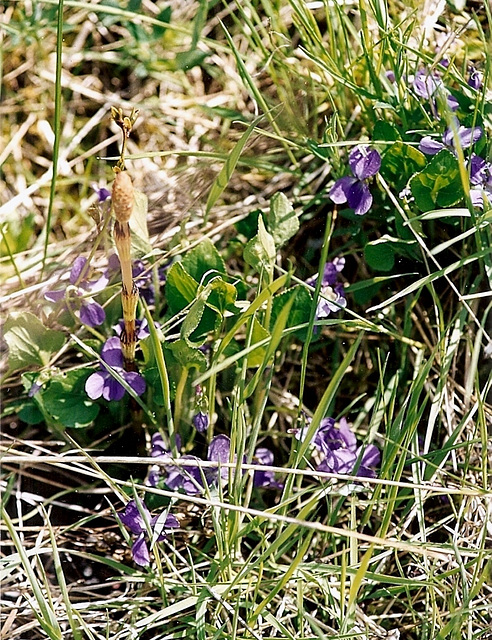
pixel 313 403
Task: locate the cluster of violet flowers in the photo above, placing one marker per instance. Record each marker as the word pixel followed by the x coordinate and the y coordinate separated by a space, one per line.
pixel 192 478
pixel 337 450
pixel 138 520
pixel 364 163
pixel 480 171
pixel 79 292
pixel 336 445
pixel 429 84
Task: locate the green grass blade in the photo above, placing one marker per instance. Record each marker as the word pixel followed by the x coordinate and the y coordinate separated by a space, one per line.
pixel 76 633
pixel 56 130
pixel 46 616
pixel 222 180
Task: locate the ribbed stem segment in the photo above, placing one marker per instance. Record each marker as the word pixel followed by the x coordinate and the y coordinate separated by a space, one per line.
pixel 128 336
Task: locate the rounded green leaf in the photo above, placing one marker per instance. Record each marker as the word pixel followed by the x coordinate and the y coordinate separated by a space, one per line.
pixel 380 256
pixel 29 341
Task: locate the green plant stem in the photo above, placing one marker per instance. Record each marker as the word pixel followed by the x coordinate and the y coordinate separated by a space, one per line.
pixel 178 399
pixel 12 259
pixel 57 132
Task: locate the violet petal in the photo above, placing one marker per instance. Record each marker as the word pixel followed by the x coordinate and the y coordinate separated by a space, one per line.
pixel 136 381
pixel 162 522
pixel 425 84
pixel 359 198
pixel 92 314
pixel 453 103
pixel 140 551
pixel 103 194
pixel 339 263
pixel 467 136
pixel 187 478
pixel 111 352
pixel 79 270
pixel 94 385
pixel 219 449
pixel 338 193
pixel 35 387
pixel 476 196
pixel 429 146
pixel 112 389
pixel 371 456
pixel 345 460
pixel 200 421
pixel 330 274
pixel 364 163
pixel 158 446
pixel 94 286
pixel 479 169
pixel 55 296
pixel 475 80
pixel 347 435
pixel 132 517
pixel 264 456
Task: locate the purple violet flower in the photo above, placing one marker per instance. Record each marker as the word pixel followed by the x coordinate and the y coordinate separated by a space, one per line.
pixel 265 479
pixel 35 387
pixel 364 163
pixel 91 313
pixel 185 477
pixel 189 478
pixel 337 447
pixel 467 137
pixel 103 194
pixel 219 451
pixel 480 180
pixel 390 74
pixel 427 85
pixel 138 520
pixel 102 383
pixel 200 421
pixel 332 294
pixel 475 79
pixel 159 448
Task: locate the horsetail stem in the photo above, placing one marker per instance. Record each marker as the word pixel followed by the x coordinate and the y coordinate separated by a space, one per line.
pixel 123 202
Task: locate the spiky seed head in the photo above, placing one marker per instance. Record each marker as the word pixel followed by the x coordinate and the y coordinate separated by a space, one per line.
pixel 123 198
